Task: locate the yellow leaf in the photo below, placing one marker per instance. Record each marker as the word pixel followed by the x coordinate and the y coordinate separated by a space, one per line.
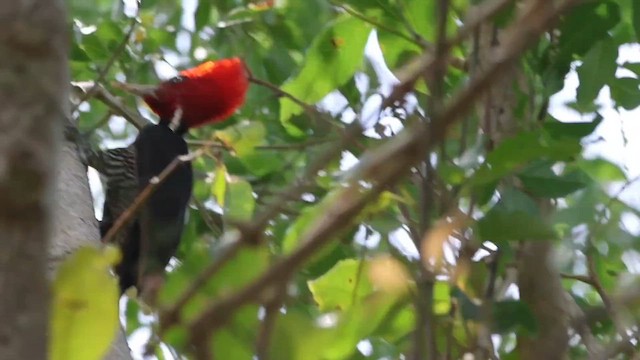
pixel 389 274
pixel 219 185
pixel 84 317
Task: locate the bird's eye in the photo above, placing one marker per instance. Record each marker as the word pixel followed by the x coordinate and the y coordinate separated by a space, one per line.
pixel 176 79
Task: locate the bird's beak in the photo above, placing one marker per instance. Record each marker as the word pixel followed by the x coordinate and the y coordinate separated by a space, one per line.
pixel 136 89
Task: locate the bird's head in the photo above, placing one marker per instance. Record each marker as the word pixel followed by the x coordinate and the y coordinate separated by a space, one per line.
pixel 207 93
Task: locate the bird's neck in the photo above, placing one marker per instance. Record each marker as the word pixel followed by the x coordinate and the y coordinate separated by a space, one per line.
pixel 180 130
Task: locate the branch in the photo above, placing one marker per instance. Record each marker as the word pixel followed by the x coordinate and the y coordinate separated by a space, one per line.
pixel 411 72
pixel 310 109
pixel 382 167
pixel 610 306
pixel 582 278
pixel 103 72
pixel 113 103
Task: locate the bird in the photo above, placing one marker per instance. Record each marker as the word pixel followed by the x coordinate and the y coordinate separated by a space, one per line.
pixel 208 93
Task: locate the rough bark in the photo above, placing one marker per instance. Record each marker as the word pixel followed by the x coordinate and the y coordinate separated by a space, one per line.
pixel 75 223
pixel 33 83
pixel 42 190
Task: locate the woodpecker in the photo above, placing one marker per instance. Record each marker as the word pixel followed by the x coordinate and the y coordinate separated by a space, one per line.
pixel 206 94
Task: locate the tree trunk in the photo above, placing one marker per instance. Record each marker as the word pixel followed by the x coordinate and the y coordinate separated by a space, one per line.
pixel 75 223
pixel 42 190
pixel 33 97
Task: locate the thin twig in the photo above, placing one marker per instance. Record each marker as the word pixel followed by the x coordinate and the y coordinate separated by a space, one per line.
pixel 281 93
pixel 144 195
pixel 609 305
pixel 416 39
pixel 105 70
pixel 207 218
pixel 277 147
pixel 582 278
pixel 622 189
pixel 271 312
pixel 310 109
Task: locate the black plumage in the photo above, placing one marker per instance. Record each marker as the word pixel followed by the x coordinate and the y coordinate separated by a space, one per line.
pixel 150 240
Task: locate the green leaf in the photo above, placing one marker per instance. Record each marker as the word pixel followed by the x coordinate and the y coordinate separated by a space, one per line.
pixel 609 268
pixel 635 67
pixel 95 48
pixel 512 199
pixel 227 345
pixel 243 137
pixel 111 32
pixel 332 59
pixel 132 312
pixel 575 130
pixel 363 320
pixel 300 225
pixel 85 301
pixel 342 286
pixel 78 53
pixel 262 163
pixel 305 20
pixel 514 218
pixel 540 180
pixel 602 170
pixel 219 185
pixel 625 92
pixel 513 315
pixel 382 349
pixel 397 51
pixel 500 226
pixel 248 264
pixel 598 68
pixel 366 5
pixel 203 14
pixel 441 298
pixel 589 198
pixel 239 199
pixel 636 18
pixel 451 174
pixel 418 12
pixel 517 151
pixel 576 38
pixel 468 308
pixel 296 336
